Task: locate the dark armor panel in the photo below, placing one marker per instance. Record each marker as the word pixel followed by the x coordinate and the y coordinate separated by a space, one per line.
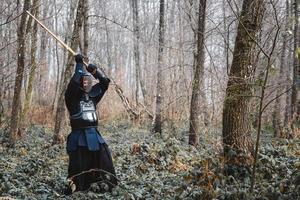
pixel 86 117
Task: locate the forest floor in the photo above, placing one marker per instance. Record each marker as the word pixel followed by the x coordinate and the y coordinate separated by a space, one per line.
pixel 150 167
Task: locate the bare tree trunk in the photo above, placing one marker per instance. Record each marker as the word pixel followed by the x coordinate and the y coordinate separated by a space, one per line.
pixel 7 90
pixel 2 95
pixel 43 59
pixel 138 75
pixel 198 80
pixel 213 109
pixel 287 114
pixel 108 47
pixel 144 84
pixel 236 122
pixel 57 84
pixel 14 123
pixel 60 113
pixel 157 121
pixel 85 28
pixel 136 45
pixel 29 91
pixel 277 118
pixel 226 37
pixel 295 99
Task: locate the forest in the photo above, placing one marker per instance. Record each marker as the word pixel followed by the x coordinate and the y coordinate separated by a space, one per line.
pixel 198 99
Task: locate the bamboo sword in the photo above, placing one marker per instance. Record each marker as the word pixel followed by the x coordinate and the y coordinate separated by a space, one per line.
pixel 57 38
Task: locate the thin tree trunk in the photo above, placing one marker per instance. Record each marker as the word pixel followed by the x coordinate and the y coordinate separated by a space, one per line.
pixel 108 47
pixel 2 95
pixel 29 91
pixel 85 28
pixel 8 60
pixel 157 121
pixel 136 44
pixel 43 59
pixel 226 37
pixel 198 80
pixel 57 84
pixel 14 123
pixel 277 118
pixel 236 122
pixel 287 114
pixel 145 33
pixel 294 99
pixel 60 113
pixel 212 99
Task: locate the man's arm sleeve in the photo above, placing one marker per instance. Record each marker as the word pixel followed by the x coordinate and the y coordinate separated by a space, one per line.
pixel 73 90
pixel 79 70
pixel 103 80
pixel 100 88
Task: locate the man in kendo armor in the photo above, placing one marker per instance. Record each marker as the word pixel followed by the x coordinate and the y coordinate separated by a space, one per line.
pixel 89 156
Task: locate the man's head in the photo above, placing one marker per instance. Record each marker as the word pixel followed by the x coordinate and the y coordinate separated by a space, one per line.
pixel 86 82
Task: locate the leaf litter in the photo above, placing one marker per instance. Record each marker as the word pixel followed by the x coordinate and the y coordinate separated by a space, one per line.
pixel 150 167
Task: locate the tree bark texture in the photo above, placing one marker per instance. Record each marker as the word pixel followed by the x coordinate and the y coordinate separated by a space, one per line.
pixel 56 52
pixel 157 121
pixel 295 100
pixel 138 71
pixel 196 112
pixel 288 80
pixel 29 91
pixel 136 48
pixel 236 110
pixel 14 122
pixel 85 28
pixel 43 66
pixel 277 116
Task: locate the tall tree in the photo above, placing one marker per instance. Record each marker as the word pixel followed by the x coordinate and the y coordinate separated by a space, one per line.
pixel 85 28
pixel 60 112
pixel 29 91
pixel 198 80
pixel 295 110
pixel 43 68
pixel 288 79
pixel 108 45
pixel 277 117
pixel 157 121
pixel 56 52
pixel 136 47
pixel 236 110
pixel 139 83
pixel 14 122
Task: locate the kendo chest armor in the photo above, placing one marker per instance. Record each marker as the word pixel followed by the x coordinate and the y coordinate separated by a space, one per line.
pixel 86 117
